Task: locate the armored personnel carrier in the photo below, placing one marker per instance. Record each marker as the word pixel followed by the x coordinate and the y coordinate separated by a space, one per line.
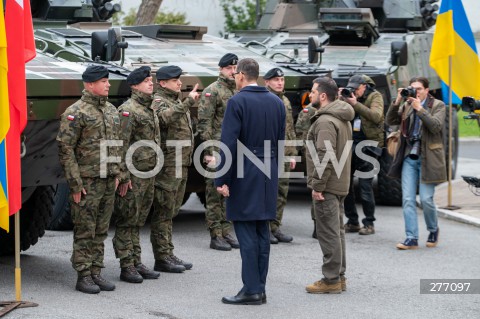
pixel 388 40
pixel 69 36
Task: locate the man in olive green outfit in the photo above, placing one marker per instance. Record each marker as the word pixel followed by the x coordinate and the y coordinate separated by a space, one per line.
pixel 177 137
pixel 211 109
pixel 83 127
pixel 134 198
pixel 275 83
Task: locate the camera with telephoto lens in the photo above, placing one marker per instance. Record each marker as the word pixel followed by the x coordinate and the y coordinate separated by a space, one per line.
pixel 408 92
pixel 415 151
pixel 347 92
pixel 472 106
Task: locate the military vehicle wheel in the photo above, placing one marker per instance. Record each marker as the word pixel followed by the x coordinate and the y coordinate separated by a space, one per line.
pixel 202 198
pixel 454 142
pixel 61 217
pixel 186 196
pixel 389 190
pixel 34 217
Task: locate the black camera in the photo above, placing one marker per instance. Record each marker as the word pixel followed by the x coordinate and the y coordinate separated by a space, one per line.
pixel 415 151
pixel 470 105
pixel 408 92
pixel 347 92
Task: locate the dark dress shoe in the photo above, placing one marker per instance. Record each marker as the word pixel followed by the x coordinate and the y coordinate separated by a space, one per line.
pixel 219 243
pixel 165 264
pixel 264 297
pixel 231 241
pixel 273 240
pixel 282 238
pixel 243 299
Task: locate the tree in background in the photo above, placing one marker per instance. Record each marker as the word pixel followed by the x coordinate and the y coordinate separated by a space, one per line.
pixel 241 17
pixel 158 18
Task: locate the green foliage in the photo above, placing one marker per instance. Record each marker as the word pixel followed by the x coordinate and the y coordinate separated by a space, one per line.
pixel 240 17
pixel 161 18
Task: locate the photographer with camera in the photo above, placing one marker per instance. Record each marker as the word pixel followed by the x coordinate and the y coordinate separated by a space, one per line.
pixel 420 157
pixel 368 124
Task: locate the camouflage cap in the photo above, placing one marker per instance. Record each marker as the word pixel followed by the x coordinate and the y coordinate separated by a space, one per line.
pixel 228 59
pixel 273 73
pixel 94 73
pixel 168 72
pixel 138 75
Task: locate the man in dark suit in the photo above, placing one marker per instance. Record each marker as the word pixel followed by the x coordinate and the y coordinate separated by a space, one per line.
pixel 254 123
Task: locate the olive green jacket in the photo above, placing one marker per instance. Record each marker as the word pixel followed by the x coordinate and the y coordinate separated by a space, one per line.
pixel 371 115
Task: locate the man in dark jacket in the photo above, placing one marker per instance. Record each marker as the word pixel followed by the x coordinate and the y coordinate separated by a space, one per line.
pixel 328 144
pixel 421 118
pixel 254 122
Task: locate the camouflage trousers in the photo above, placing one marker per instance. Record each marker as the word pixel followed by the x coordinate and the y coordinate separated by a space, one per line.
pixel 169 192
pixel 91 219
pixel 131 211
pixel 215 214
pixel 281 198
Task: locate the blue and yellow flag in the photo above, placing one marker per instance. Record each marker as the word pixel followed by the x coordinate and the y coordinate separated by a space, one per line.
pixel 453 37
pixel 4 122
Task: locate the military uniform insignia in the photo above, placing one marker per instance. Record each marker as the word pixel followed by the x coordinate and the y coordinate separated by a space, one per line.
pixel 305 110
pixel 208 94
pixel 157 100
pixel 70 117
pixel 126 114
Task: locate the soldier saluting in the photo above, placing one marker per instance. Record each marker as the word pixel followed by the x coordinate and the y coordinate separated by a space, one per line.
pixel 177 136
pixel 211 110
pixel 83 126
pixel 134 198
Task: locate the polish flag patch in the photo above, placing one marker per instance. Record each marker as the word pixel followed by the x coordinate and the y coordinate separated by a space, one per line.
pixel 158 100
pixel 305 110
pixel 208 94
pixel 70 117
pixel 126 114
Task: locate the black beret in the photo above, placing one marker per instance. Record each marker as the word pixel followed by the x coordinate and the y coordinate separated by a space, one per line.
pixel 168 72
pixel 138 75
pixel 94 73
pixel 228 59
pixel 273 73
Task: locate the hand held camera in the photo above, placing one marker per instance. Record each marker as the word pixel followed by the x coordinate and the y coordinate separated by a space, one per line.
pixel 408 92
pixel 347 92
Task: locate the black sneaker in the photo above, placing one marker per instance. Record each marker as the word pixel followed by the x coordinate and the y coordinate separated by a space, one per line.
pixel 178 261
pixel 103 283
pixel 433 238
pixel 166 264
pixel 231 241
pixel 86 285
pixel 219 243
pixel 131 275
pixel 282 238
pixel 147 273
pixel 409 243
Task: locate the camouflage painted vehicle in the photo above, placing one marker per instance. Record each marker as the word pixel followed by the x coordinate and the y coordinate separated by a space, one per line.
pixel 389 40
pixel 70 35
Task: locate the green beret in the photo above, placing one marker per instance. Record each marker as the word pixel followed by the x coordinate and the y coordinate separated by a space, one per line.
pixel 138 75
pixel 228 59
pixel 273 73
pixel 168 72
pixel 94 73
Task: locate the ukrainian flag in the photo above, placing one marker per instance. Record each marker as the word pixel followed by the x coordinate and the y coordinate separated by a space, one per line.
pixel 454 38
pixel 4 123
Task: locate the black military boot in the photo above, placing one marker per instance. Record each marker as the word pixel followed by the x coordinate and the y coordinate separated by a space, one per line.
pixel 86 285
pixel 103 283
pixel 282 238
pixel 178 261
pixel 231 240
pixel 130 274
pixel 219 243
pixel 166 264
pixel 147 273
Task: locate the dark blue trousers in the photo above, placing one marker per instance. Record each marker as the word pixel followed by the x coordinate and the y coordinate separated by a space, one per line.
pixel 254 239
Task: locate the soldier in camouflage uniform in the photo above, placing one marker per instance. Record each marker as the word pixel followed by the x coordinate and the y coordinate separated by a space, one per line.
pixel 301 128
pixel 210 117
pixel 139 122
pixel 175 126
pixel 275 83
pixel 83 126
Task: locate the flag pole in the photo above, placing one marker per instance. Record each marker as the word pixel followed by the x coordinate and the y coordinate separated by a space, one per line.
pixel 450 131
pixel 18 270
